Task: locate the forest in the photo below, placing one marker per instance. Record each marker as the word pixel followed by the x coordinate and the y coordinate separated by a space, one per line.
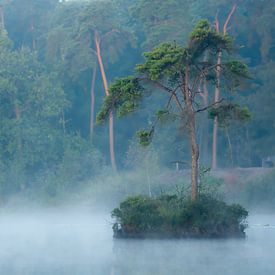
pixel 58 61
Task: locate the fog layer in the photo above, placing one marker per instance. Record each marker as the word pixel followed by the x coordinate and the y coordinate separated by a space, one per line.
pixel 80 242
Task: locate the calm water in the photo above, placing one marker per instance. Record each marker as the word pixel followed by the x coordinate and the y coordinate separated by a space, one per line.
pixel 78 242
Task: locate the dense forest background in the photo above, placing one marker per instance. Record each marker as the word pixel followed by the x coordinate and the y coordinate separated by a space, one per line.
pixel 51 87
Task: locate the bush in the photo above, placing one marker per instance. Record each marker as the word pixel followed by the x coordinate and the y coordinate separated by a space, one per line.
pixel 174 216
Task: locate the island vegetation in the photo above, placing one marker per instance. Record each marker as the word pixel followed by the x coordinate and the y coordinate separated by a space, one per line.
pixel 172 216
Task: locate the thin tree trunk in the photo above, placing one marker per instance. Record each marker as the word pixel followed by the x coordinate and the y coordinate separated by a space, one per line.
pixel 111 116
pixel 248 144
pixel 229 146
pixel 63 122
pixel 2 18
pixel 18 118
pixel 195 157
pixel 204 142
pixel 92 102
pixel 148 180
pixel 193 139
pixel 205 126
pixel 33 38
pixel 216 123
pixel 17 112
pixel 218 88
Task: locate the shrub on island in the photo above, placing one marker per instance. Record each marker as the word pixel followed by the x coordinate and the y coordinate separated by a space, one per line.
pixel 172 216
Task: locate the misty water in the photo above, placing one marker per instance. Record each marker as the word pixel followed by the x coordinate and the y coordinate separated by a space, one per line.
pixel 80 242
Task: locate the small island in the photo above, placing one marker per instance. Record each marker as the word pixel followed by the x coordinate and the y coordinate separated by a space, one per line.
pixel 171 216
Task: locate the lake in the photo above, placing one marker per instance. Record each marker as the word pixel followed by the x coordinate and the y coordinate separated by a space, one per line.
pixel 77 241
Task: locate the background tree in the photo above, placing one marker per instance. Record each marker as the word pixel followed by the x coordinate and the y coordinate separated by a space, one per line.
pixel 218 85
pixel 225 115
pixel 94 34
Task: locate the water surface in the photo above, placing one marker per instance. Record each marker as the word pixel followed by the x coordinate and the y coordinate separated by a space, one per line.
pixel 80 242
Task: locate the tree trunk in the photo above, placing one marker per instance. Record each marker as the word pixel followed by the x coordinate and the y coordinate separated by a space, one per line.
pixel 2 18
pixel 33 38
pixel 218 87
pixel 63 121
pixel 92 102
pixel 216 123
pixel 248 144
pixel 192 135
pixel 205 127
pixel 195 157
pixel 148 180
pixel 111 116
pixel 229 146
pixel 18 118
pixel 17 111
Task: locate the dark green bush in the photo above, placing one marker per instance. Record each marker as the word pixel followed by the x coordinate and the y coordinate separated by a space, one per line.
pixel 173 216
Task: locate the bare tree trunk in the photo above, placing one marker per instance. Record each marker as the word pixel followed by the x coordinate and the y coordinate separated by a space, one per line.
pixel 18 118
pixel 193 139
pixel 229 146
pixel 248 144
pixel 148 180
pixel 205 126
pixel 63 122
pixel 33 38
pixel 218 88
pixel 17 112
pixel 216 123
pixel 2 18
pixel 92 102
pixel 195 157
pixel 111 116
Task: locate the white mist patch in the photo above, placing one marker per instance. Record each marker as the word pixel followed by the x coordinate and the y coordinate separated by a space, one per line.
pixel 79 241
pixel 54 242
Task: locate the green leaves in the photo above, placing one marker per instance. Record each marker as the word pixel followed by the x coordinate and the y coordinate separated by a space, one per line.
pixel 171 68
pixel 201 30
pixel 169 59
pixel 237 68
pixel 204 37
pixel 162 61
pixel 125 95
pixel 230 112
pixel 5 42
pixel 175 216
pixel 145 137
pixel 32 103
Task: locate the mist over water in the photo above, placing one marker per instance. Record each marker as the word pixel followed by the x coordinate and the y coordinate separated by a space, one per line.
pixel 79 241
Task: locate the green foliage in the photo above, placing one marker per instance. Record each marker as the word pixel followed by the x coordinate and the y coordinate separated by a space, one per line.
pixel 201 30
pixel 173 216
pixel 5 42
pixel 237 71
pixel 125 96
pixel 164 21
pixel 204 37
pixel 80 162
pixel 50 83
pixel 170 68
pixel 230 112
pixel 145 137
pixel 162 61
pixel 238 68
pixel 139 214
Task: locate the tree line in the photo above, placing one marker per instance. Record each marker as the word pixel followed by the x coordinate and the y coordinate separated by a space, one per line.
pixel 58 59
